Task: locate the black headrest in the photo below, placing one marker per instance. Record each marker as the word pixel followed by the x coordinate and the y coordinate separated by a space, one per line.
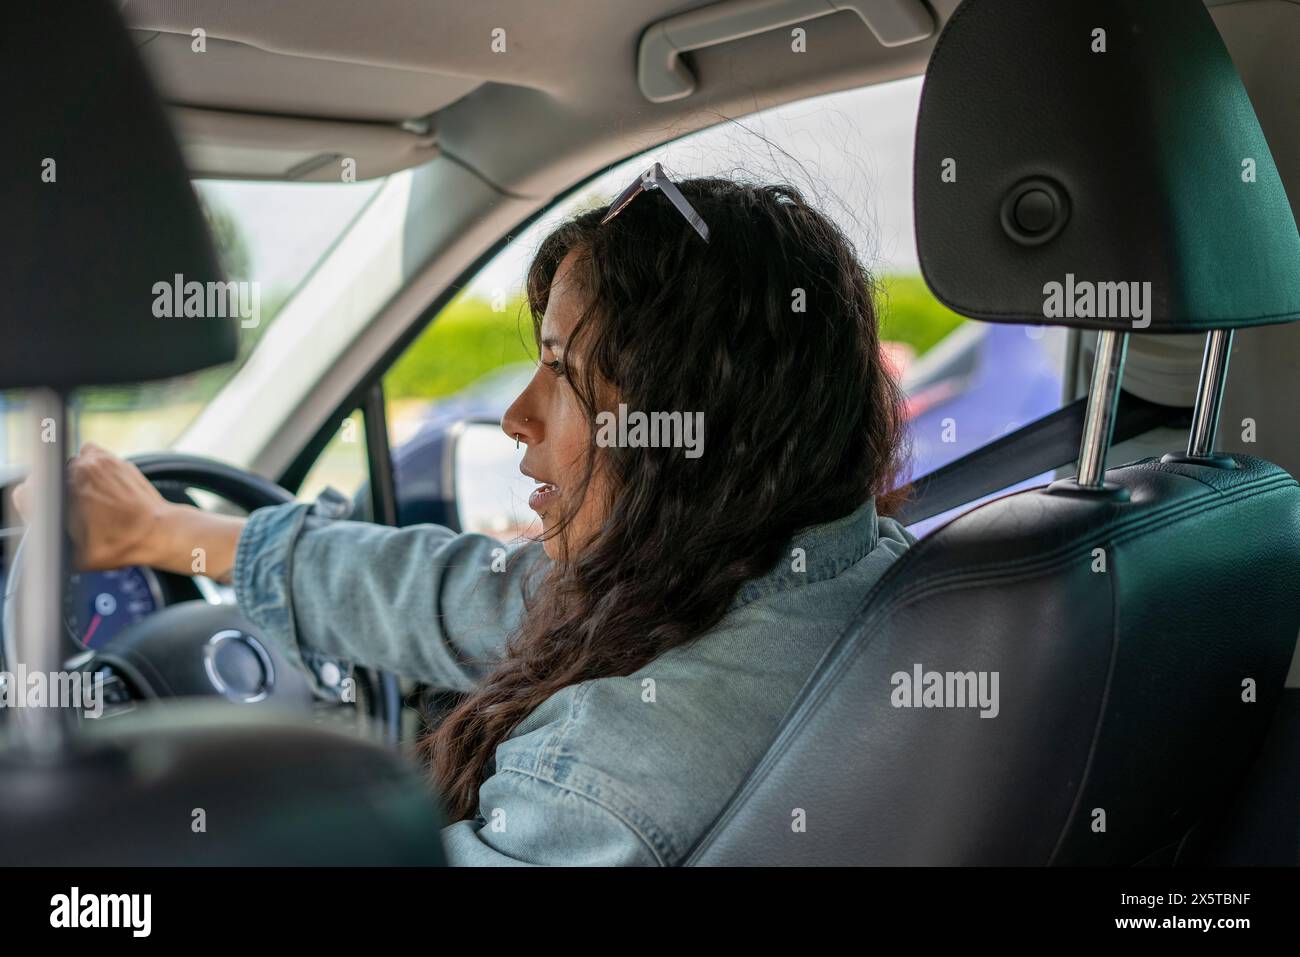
pixel 97 210
pixel 1083 142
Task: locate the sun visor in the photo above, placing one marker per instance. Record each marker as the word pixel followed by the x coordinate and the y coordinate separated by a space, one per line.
pixel 108 267
pixel 1097 164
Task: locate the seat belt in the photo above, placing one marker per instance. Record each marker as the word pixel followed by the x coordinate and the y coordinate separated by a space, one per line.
pixel 1044 444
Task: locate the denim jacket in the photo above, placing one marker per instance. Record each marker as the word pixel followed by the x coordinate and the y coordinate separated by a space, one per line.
pixel 615 771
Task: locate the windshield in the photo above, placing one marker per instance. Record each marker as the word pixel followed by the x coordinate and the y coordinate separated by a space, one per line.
pixel 269 235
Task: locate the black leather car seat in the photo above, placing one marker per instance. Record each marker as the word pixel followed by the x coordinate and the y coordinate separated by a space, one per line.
pixel 1139 621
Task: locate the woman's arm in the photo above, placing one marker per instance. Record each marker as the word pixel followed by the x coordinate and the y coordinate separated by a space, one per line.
pixel 420 601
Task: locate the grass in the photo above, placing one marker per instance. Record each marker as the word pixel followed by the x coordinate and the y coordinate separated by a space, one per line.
pixel 468 339
pixel 909 313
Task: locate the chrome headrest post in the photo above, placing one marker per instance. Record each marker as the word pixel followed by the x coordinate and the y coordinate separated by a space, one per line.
pixel 1103 400
pixel 1209 393
pixel 39 613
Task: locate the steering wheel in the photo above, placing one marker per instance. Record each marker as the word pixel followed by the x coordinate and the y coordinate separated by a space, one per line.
pixel 201 648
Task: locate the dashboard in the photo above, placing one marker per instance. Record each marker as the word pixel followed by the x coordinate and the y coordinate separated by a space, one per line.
pixel 98 605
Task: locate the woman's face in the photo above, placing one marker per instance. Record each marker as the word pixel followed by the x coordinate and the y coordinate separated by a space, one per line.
pixel 548 418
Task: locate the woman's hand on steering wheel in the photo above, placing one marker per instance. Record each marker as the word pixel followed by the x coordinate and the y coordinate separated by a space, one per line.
pixel 118 518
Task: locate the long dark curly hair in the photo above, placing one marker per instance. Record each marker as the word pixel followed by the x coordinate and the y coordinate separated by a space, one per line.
pixel 770 330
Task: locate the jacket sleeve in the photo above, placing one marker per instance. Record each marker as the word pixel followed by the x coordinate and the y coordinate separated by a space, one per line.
pixel 527 818
pixel 421 601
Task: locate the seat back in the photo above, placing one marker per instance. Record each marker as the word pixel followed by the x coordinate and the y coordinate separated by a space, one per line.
pixel 1081 673
pixel 215 784
pixel 1132 682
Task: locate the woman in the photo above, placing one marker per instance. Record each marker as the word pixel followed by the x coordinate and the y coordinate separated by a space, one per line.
pixel 625 672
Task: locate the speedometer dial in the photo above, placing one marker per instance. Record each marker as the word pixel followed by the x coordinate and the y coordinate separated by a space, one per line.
pixel 100 604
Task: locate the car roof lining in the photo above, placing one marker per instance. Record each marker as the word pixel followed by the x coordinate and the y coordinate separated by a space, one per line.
pixel 287 91
pixel 560 101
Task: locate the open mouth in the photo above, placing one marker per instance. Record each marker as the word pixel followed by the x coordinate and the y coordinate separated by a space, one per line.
pixel 543 496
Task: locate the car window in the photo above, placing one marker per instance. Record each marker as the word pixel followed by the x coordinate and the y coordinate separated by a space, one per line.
pixel 967 383
pixel 343 465
pixel 268 236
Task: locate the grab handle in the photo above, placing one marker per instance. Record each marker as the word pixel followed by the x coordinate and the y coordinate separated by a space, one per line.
pixel 664 77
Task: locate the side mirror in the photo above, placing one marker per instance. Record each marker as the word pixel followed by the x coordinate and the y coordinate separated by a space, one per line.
pixel 489 492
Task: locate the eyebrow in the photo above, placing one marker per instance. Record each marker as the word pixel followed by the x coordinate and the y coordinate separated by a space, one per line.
pixel 550 342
